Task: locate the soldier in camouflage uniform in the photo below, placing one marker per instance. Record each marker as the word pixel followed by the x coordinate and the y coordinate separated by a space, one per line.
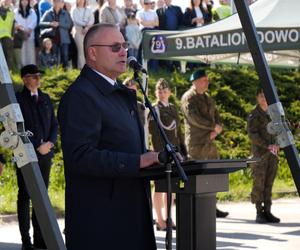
pixel 202 121
pixel 131 84
pixel 264 171
pixel 169 119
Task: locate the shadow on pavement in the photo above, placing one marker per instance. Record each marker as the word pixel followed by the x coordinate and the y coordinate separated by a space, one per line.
pixel 296 233
pixel 247 236
pixel 10 246
pixel 232 246
pixel 243 221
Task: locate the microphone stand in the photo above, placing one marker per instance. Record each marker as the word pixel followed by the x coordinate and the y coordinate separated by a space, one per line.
pixel 167 156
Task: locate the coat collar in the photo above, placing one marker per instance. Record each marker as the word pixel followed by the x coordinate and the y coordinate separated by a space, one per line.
pixel 27 92
pixel 98 81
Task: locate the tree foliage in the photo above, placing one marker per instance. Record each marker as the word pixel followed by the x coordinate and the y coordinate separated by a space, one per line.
pixel 233 90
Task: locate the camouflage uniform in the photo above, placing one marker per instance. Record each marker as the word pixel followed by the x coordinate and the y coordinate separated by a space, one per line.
pixel 167 115
pixel 263 171
pixel 141 112
pixel 201 117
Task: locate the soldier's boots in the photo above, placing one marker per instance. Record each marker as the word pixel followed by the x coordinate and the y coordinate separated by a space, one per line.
pixel 271 218
pixel 221 214
pixel 264 215
pixel 260 217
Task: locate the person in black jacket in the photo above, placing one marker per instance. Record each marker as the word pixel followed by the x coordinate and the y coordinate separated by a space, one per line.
pixel 107 204
pixel 169 16
pixel 39 118
pixel 198 14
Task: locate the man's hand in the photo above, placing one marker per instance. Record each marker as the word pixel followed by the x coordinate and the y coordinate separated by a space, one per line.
pixel 54 24
pixel 45 148
pixel 197 20
pixel 213 135
pixel 148 159
pixel 274 149
pixel 218 129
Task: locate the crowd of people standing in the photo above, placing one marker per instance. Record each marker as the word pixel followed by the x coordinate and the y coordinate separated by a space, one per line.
pixel 50 32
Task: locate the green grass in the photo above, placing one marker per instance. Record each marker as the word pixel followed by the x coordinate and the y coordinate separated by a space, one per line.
pixel 239 190
pixel 9 192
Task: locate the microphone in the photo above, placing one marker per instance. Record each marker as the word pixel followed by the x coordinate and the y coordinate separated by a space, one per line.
pixel 133 64
pixel 164 157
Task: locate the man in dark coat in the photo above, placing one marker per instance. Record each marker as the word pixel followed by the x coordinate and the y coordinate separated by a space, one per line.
pixel 107 204
pixel 263 146
pixel 39 118
pixel 169 16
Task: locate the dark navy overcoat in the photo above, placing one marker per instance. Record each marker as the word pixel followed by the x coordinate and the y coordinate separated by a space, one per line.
pixel 107 204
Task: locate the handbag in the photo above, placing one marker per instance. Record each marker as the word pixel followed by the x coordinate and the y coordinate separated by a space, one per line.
pixel 19 37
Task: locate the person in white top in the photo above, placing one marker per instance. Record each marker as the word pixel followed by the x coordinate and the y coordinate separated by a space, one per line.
pixel 147 17
pixel 113 14
pixel 83 19
pixel 26 20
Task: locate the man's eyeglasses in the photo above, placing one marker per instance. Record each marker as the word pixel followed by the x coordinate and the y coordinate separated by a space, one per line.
pixel 114 47
pixel 34 76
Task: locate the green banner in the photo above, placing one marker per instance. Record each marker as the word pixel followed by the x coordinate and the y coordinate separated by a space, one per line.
pixel 167 44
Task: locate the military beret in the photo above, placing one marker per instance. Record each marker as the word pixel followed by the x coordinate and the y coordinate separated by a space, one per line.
pixel 197 74
pixel 162 84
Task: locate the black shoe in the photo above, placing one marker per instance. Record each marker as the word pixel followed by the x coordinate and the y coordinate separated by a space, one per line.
pixel 271 218
pixel 160 228
pixel 40 246
pixel 260 218
pixel 221 214
pixel 27 247
pixel 173 225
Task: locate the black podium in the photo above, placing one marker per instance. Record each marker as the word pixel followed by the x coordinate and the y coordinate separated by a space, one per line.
pixel 196 199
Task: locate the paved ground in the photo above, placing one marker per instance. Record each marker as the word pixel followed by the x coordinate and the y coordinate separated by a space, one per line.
pixel 237 232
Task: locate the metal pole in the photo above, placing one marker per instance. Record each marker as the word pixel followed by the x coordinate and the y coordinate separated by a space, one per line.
pixel 15 138
pixel 278 125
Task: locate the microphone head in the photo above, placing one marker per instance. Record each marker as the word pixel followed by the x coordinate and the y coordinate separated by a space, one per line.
pixel 131 60
pixel 133 63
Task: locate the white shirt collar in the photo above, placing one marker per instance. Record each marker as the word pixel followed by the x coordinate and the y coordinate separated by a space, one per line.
pixel 111 81
pixel 34 93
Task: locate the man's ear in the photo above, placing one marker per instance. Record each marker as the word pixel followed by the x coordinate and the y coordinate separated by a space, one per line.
pixel 91 52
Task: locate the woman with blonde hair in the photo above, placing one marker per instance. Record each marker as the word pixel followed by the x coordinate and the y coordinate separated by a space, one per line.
pixel 83 19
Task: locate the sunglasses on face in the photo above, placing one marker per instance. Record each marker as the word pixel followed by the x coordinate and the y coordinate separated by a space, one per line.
pixel 116 47
pixel 34 76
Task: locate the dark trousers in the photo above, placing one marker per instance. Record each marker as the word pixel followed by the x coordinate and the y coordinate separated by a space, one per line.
pixel 62 53
pixel 23 204
pixel 8 50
